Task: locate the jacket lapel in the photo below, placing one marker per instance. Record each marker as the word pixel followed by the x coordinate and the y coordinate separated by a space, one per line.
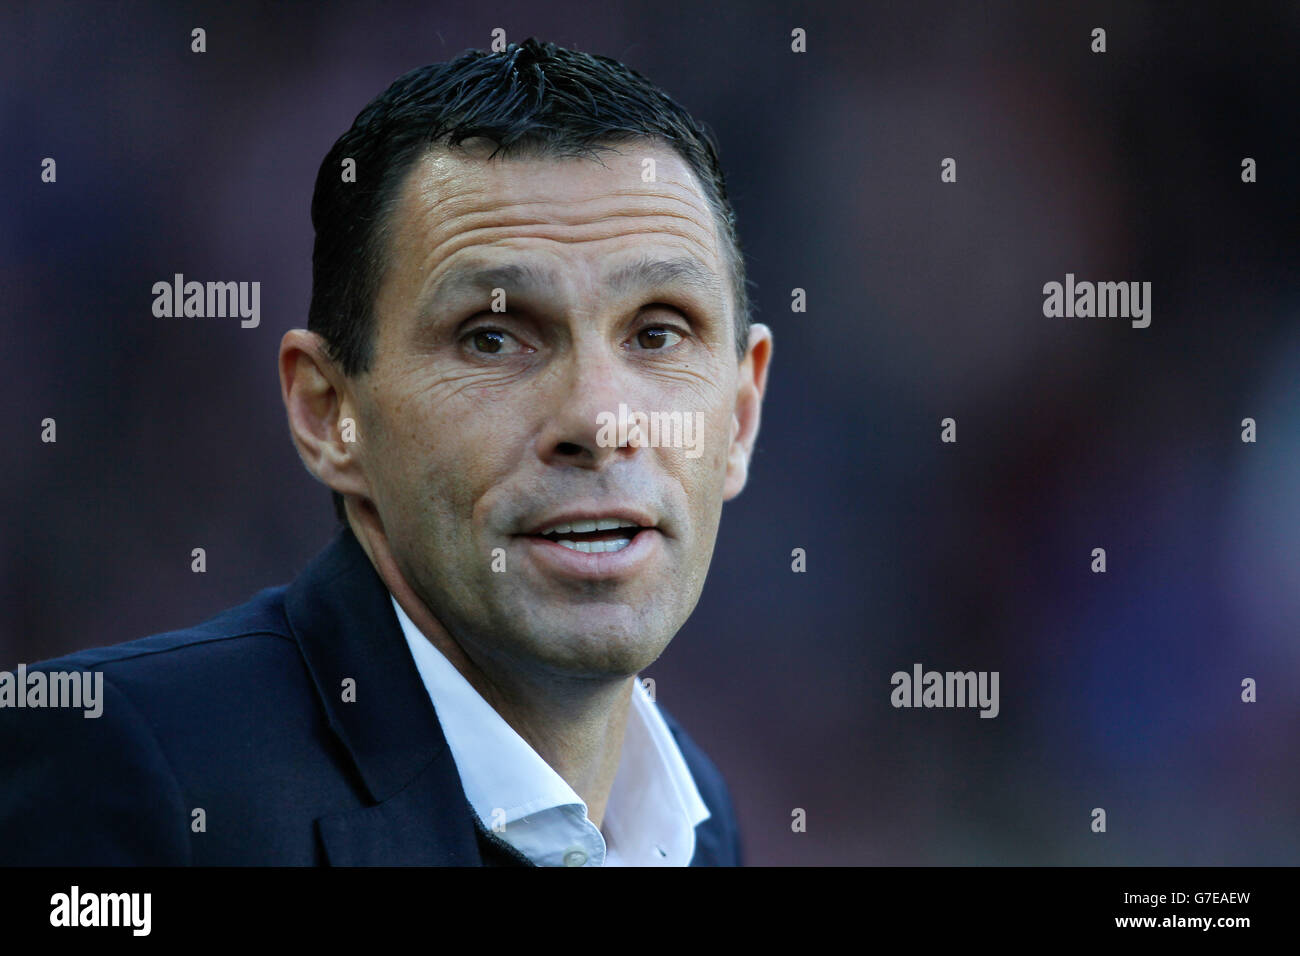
pixel 342 617
pixel 428 823
pixel 709 847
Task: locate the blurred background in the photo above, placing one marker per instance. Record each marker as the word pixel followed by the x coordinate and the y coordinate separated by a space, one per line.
pixel 1119 690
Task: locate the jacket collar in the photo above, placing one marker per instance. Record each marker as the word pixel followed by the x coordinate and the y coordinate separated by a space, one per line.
pixel 342 618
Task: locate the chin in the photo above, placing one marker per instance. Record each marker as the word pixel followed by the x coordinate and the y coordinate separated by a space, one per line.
pixel 593 644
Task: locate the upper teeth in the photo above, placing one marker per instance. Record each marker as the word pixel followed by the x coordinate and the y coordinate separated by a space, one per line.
pixel 586 525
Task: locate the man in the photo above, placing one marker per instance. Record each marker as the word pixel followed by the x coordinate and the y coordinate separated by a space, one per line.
pixel 525 263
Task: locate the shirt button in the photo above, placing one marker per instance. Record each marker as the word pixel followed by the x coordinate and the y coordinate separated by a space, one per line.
pixel 574 857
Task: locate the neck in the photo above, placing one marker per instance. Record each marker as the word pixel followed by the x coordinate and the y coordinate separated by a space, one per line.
pixel 575 725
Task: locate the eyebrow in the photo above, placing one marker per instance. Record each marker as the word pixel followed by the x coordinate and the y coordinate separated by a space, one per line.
pixel 651 273
pixel 644 273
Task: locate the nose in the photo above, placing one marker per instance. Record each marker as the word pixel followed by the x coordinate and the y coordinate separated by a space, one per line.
pixel 584 401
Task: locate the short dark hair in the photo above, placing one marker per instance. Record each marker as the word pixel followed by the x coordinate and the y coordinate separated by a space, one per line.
pixel 532 98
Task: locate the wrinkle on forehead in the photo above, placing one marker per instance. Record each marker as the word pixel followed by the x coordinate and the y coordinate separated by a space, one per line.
pixel 440 255
pixel 452 202
pixel 445 176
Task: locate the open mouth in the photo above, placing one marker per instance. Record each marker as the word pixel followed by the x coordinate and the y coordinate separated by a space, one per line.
pixel 594 536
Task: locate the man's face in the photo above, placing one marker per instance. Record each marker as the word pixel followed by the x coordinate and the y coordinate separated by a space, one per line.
pixel 480 428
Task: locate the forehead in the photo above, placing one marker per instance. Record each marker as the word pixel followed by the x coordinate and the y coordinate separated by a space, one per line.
pixel 458 206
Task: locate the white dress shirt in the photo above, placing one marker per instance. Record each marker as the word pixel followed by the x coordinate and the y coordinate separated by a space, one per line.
pixel 653 807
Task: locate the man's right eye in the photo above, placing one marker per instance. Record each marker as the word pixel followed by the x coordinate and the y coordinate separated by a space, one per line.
pixel 493 342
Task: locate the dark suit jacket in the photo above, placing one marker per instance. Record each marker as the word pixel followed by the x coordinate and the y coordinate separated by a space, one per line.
pixel 243 717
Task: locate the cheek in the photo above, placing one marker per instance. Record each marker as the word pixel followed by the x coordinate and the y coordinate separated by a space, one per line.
pixel 702 477
pixel 405 451
pixel 444 457
pixel 716 445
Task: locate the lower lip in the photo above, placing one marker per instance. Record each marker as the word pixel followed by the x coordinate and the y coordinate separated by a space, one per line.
pixel 604 564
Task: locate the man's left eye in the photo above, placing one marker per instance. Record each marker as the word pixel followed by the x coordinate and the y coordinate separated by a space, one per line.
pixel 657 337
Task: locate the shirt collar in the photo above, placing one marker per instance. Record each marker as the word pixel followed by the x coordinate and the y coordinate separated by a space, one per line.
pixel 654 805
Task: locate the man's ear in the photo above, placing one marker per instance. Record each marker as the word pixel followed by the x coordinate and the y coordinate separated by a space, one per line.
pixel 322 417
pixel 749 401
